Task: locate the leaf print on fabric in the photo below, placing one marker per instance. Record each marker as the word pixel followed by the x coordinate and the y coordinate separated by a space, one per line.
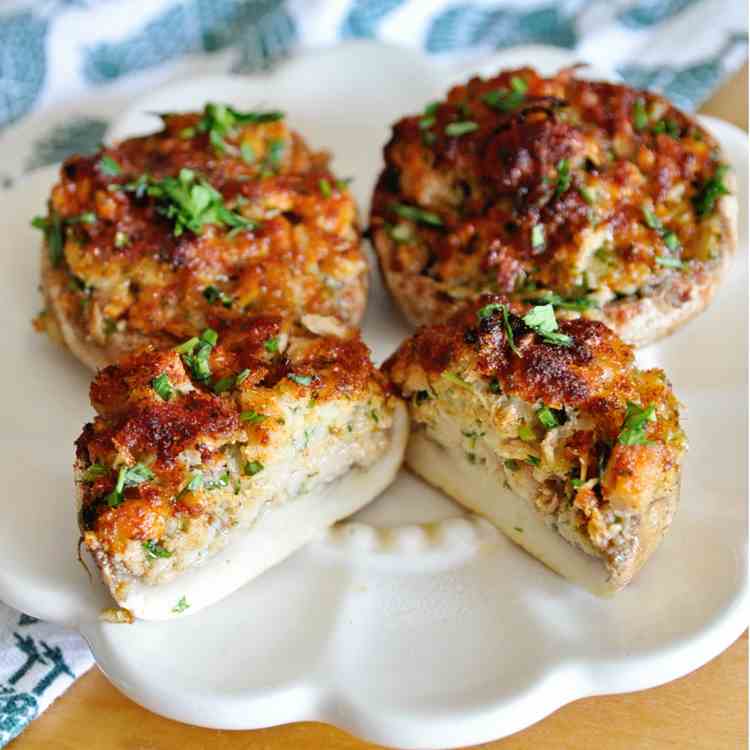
pixel 16 711
pixel 80 136
pixel 689 86
pixel 469 25
pixel 364 15
pixel 23 63
pixel 188 26
pixel 267 42
pixel 650 12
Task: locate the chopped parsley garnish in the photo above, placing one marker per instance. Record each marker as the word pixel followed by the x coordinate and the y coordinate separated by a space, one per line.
pixel 108 166
pixel 421 396
pixel 495 386
pixel 252 417
pixel 163 387
pixel 547 417
pixel 456 129
pixel 563 177
pixel 220 482
pixel 221 121
pixel 94 472
pixel 154 549
pixel 541 319
pixel 537 236
pixel 400 233
pixel 325 187
pixel 247 152
pixel 634 427
pixel 526 433
pixel 488 311
pixel 511 464
pixel 670 238
pixel 272 345
pixel 53 228
pixel 670 127
pixel 128 477
pixel 188 200
pixel 181 606
pixel 253 467
pixel 577 482
pixel 231 381
pixel 213 295
pixel 275 154
pixel 196 352
pixel 504 100
pixel 121 240
pixel 533 460
pixel 667 262
pixel 707 195
pixel 417 214
pixel 456 379
pixel 640 118
pixel 428 117
pixel 194 484
pixel 564 303
pixel 587 194
pixel 300 379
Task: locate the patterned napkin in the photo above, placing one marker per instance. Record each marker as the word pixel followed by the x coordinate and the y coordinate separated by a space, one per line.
pixel 69 66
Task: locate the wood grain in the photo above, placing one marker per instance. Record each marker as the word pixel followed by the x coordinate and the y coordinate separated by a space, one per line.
pixel 706 710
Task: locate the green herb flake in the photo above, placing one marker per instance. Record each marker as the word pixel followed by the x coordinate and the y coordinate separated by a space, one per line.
pixel 412 213
pixel 705 198
pixel 54 235
pixel 511 464
pixel 247 152
pixel 94 472
pixel 224 384
pixel 189 201
pixel 121 240
pixel 504 100
pixel 300 379
pixel 547 417
pixel 634 427
pixel 325 188
pixel 488 311
pixel 272 345
pixel 456 129
pixel 181 606
pixel 495 386
pixel 108 166
pixel 640 117
pixel 128 477
pixel 252 417
pixel 253 467
pixel 541 319
pixel 196 352
pixel 587 194
pixel 666 262
pixel 564 178
pixel 537 236
pixel 154 549
pixel 163 387
pixel 456 380
pixel 526 433
pixel 533 460
pixel 214 295
pixel 563 303
pixel 401 233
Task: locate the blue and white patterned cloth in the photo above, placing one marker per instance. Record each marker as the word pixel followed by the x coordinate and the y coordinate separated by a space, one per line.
pixel 68 66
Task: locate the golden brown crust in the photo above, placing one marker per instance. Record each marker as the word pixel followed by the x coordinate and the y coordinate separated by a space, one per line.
pixel 554 196
pixel 127 276
pixel 257 367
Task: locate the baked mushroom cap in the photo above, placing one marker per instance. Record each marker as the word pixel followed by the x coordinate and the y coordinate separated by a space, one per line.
pixel 605 201
pixel 548 429
pixel 208 463
pixel 217 216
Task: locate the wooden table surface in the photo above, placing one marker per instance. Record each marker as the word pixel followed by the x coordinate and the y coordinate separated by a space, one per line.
pixel 706 710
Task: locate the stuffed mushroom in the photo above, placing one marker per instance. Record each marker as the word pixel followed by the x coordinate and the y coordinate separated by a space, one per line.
pixel 604 201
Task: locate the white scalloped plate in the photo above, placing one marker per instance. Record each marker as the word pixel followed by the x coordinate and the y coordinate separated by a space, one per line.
pixel 416 626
